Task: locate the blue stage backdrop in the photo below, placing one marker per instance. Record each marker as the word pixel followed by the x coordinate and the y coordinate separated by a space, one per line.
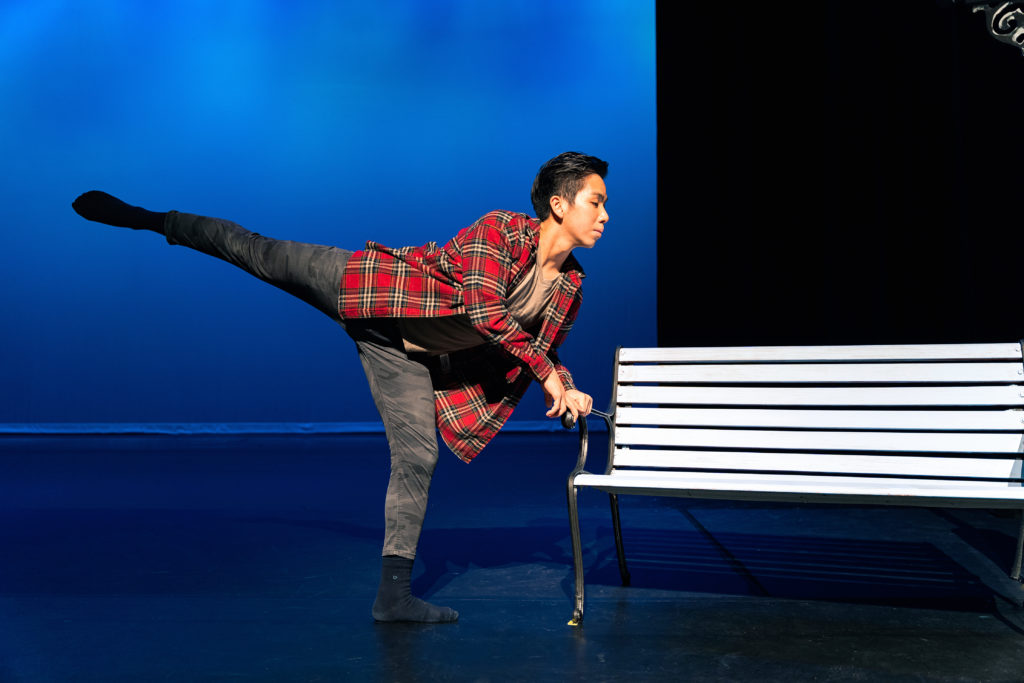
pixel 333 122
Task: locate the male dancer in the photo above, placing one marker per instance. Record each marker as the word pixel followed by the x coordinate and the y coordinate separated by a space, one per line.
pixel 448 337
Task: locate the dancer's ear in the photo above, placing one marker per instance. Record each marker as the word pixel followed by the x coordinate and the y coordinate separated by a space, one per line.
pixel 558 205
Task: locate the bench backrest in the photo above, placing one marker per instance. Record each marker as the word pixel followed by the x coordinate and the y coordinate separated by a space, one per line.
pixel 915 411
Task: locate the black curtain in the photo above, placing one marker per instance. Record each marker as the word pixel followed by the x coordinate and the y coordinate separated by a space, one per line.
pixel 837 172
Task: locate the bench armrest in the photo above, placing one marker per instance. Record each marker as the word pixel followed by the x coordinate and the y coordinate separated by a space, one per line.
pixel 568 423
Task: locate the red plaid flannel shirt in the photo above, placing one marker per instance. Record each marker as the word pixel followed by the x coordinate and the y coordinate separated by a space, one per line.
pixel 472 274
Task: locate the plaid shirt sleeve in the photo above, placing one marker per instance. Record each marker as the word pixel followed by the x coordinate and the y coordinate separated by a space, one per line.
pixel 563 372
pixel 487 259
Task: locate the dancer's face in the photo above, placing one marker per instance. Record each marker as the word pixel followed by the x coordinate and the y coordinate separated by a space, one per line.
pixel 584 219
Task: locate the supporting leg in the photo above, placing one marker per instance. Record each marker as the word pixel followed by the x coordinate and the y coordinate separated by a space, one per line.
pixel 1015 573
pixel 395 601
pixel 404 396
pixel 623 570
pixel 577 556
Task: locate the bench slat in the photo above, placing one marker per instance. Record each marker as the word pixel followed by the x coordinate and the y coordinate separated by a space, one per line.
pixel 906 465
pixel 822 396
pixel 826 372
pixel 944 420
pixel 1003 351
pixel 815 440
pixel 808 488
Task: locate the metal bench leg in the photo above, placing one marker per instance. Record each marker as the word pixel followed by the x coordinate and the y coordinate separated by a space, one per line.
pixel 1015 574
pixel 623 570
pixel 577 556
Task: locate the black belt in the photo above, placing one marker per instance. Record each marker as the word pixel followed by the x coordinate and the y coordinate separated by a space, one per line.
pixel 465 358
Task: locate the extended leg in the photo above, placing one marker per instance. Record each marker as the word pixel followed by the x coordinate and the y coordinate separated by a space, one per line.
pixel 311 272
pixel 404 396
pixel 104 208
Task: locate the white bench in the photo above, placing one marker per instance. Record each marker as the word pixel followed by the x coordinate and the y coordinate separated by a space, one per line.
pixel 937 425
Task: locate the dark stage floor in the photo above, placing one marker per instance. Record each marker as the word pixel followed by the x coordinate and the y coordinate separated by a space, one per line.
pixel 240 558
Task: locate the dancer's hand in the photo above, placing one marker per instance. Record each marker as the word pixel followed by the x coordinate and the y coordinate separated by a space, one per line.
pixel 554 395
pixel 580 401
pixel 560 400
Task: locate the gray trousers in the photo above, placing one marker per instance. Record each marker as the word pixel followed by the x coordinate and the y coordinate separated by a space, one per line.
pixel 400 385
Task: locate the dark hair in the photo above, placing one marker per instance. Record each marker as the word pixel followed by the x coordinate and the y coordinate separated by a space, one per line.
pixel 563 176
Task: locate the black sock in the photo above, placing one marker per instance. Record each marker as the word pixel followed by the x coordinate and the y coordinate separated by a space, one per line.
pixel 395 601
pixel 104 208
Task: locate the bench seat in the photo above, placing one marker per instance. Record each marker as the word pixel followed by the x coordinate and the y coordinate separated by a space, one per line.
pixel 811 488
